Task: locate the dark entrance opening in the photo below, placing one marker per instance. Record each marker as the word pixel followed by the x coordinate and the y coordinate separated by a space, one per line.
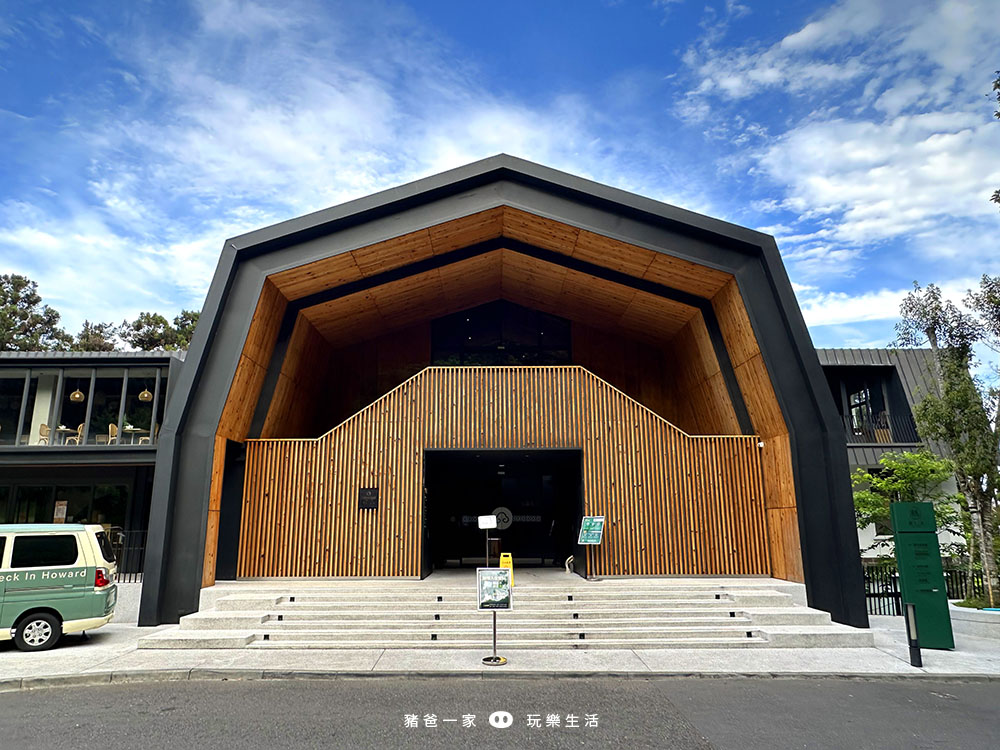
pixel 536 494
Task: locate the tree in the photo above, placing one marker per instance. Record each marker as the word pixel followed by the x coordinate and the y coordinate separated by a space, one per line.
pixel 96 337
pixel 906 478
pixel 958 415
pixel 184 324
pixel 149 332
pixel 152 332
pixel 996 113
pixel 25 323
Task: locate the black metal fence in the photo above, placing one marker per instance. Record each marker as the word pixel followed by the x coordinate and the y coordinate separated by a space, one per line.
pixel 882 591
pixel 883 597
pixel 130 552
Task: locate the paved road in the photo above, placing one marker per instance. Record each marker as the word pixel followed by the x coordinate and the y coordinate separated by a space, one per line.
pixel 363 713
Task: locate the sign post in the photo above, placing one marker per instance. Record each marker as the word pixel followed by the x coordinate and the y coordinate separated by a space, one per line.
pixel 493 593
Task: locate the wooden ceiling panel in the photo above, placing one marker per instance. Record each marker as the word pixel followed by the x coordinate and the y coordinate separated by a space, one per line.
pixel 393 253
pixel 400 301
pixel 509 222
pixel 472 282
pixel 328 273
pixel 686 276
pixel 618 256
pixel 352 318
pixel 459 233
pixel 531 275
pixel 604 298
pixel 647 312
pixel 539 231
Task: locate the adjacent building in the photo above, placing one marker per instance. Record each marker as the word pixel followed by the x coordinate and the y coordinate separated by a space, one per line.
pixel 876 391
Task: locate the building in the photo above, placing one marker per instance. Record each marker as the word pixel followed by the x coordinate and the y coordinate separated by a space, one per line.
pixel 875 391
pixel 366 380
pixel 78 434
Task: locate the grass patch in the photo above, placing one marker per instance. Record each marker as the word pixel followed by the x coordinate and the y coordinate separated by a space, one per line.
pixel 974 602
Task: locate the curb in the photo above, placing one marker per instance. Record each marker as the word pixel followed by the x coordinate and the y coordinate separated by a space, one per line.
pixel 222 675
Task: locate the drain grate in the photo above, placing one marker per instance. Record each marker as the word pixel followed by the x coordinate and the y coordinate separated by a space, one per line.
pixel 437 617
pixel 267 636
pixel 434 636
pixel 280 618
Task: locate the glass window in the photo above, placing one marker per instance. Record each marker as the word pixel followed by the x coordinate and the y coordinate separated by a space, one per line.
pixel 4 508
pixel 38 416
pixel 11 390
pixel 77 500
pixel 138 406
pixel 33 504
pixel 72 408
pixel 161 405
pixel 3 546
pixel 500 333
pixel 110 505
pixel 105 544
pixel 104 411
pixel 44 551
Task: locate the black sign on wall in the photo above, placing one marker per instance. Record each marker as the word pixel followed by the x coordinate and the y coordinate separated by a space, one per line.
pixel 368 498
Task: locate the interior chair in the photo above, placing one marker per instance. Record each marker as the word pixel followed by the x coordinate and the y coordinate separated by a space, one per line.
pixel 43 434
pixel 77 438
pixel 111 438
pixel 156 435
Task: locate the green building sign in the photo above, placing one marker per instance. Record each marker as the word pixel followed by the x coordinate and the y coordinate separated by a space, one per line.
pixel 921 576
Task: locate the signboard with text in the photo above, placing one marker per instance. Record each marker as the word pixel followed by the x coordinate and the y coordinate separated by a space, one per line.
pixel 493 588
pixel 591 530
pixel 368 498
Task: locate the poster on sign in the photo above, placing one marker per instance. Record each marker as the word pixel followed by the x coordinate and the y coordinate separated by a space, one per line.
pixel 592 530
pixel 494 588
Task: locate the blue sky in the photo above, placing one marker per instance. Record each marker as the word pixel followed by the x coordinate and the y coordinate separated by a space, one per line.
pixel 136 137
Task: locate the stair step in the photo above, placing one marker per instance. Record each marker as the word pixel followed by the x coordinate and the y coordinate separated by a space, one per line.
pixel 482 645
pixel 420 636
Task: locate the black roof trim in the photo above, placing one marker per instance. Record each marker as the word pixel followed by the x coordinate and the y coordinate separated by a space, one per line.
pixel 501 167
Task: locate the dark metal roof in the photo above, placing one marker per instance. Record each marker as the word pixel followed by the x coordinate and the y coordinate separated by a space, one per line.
pixel 915 366
pixel 89 357
pixel 493 169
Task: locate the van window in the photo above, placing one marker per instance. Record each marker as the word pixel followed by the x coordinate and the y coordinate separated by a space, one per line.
pixel 3 545
pixel 105 544
pixel 43 551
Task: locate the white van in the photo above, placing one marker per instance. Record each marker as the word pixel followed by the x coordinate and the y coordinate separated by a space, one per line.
pixel 55 578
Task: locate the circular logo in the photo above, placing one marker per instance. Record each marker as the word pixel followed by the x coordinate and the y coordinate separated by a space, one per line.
pixel 501 719
pixel 504 518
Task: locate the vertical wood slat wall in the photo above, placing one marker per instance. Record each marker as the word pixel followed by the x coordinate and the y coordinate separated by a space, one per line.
pixel 674 503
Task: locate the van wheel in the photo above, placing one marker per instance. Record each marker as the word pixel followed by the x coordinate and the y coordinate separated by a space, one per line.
pixel 37 632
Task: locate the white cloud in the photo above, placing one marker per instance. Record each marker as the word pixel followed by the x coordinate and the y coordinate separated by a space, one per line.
pixel 257 116
pixel 826 308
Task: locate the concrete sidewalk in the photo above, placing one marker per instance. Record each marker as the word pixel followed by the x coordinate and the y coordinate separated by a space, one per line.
pixel 110 655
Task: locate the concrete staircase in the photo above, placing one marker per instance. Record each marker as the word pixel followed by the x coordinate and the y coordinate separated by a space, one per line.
pixel 553 612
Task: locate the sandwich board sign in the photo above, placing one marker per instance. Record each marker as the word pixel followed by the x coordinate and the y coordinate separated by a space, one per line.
pixel 506 561
pixel 591 530
pixel 494 588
